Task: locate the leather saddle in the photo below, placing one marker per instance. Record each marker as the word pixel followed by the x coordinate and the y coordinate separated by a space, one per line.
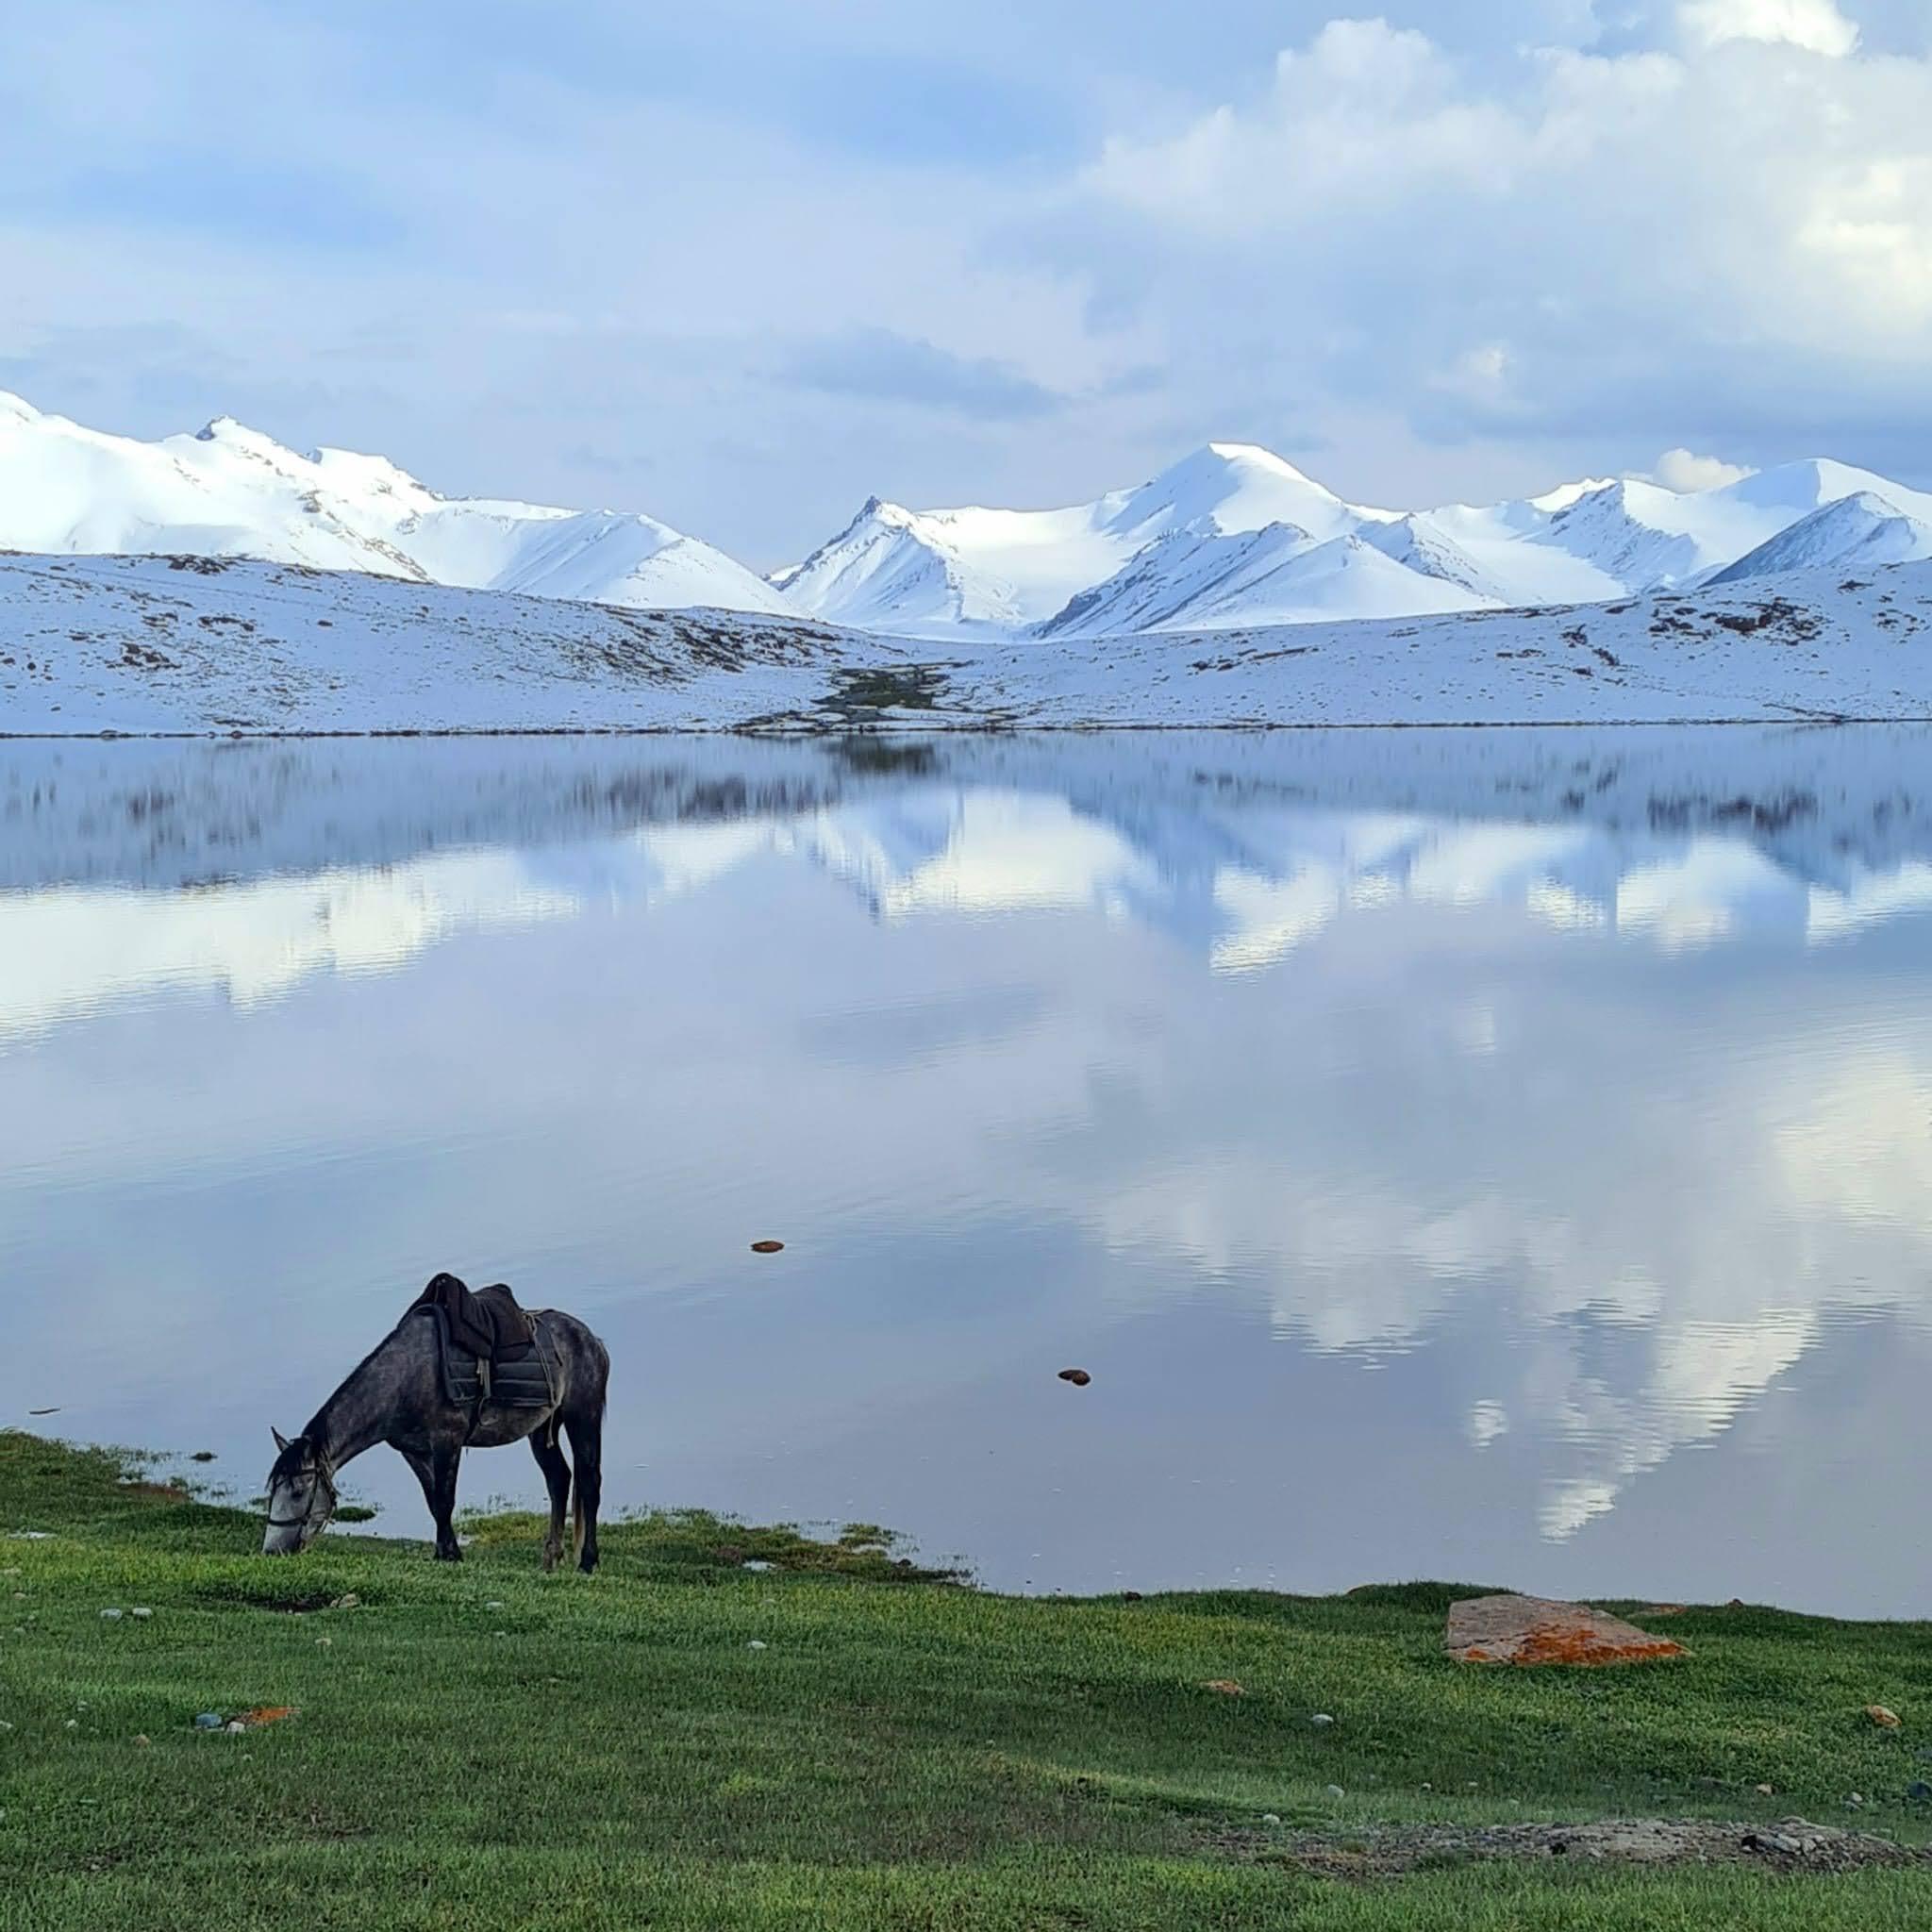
pixel 491 1347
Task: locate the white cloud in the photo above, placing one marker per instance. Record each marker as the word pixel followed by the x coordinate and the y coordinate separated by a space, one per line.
pixel 1816 26
pixel 1713 236
pixel 1680 469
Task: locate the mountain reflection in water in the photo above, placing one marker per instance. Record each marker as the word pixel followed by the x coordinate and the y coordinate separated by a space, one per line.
pixel 1506 1155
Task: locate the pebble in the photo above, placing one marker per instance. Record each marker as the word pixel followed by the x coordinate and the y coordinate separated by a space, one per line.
pixel 73 1724
pixel 1320 1720
pixel 110 1615
pixel 235 1728
pixel 1764 1791
pixel 324 1642
pixel 208 1721
pixel 142 1739
pixel 757 1644
pixel 1271 1817
pixel 1854 1801
pixel 493 1605
pixel 1885 1720
pixel 140 1613
pixel 1336 1791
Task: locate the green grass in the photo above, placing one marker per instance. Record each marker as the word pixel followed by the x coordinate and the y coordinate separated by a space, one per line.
pixel 481 1746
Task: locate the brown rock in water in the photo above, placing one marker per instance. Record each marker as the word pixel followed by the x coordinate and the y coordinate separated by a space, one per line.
pixel 1078 1377
pixel 767 1247
pixel 1534 1630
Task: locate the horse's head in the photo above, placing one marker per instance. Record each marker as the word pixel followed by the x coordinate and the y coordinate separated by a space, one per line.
pixel 301 1497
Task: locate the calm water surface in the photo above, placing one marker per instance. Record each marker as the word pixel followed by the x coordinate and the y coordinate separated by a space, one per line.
pixel 1503 1155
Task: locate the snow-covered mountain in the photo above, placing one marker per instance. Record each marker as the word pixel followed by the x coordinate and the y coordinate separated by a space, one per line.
pixel 1229 537
pixel 1856 532
pixel 232 492
pixel 1233 535
pixel 937 572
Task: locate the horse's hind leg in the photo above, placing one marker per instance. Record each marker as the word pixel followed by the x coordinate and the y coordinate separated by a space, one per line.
pixel 444 1461
pixel 587 1452
pixel 557 1474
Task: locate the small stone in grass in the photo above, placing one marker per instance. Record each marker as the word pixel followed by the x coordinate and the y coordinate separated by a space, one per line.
pixel 142 1739
pixel 1885 1720
pixel 1271 1817
pixel 1320 1720
pixel 1764 1791
pixel 325 1642
pixel 1226 1687
pixel 756 1643
pixel 208 1721
pixel 110 1615
pixel 140 1613
pixel 1336 1791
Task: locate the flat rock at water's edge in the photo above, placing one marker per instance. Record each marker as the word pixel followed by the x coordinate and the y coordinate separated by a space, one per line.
pixel 1534 1630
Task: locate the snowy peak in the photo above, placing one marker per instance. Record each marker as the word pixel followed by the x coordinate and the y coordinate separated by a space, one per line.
pixel 1235 487
pixel 1861 531
pixel 893 569
pixel 231 490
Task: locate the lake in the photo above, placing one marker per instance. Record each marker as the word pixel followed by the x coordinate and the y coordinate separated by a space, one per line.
pixel 1502 1156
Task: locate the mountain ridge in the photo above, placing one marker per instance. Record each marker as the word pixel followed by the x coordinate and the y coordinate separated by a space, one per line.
pixel 1229 535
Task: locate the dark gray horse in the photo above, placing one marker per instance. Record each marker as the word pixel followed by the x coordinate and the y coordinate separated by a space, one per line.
pixel 397 1395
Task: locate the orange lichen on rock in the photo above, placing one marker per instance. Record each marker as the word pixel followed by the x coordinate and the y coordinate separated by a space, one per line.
pixel 1534 1630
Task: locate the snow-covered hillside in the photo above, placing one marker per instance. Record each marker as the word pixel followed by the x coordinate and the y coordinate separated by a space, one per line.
pixel 232 492
pixel 1234 535
pixel 1231 536
pixel 1857 532
pixel 147 644
pixel 951 571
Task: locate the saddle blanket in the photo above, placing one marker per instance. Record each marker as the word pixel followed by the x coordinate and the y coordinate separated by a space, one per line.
pixel 488 1323
pixel 514 1372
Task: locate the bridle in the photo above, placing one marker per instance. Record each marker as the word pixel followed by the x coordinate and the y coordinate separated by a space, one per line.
pixel 323 1491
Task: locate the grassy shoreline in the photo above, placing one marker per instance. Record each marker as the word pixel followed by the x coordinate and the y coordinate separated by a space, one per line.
pixel 843 1740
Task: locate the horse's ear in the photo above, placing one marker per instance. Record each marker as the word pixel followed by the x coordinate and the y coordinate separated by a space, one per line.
pixel 282 1440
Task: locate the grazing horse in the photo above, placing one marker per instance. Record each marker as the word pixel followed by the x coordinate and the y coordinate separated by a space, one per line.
pixel 400 1394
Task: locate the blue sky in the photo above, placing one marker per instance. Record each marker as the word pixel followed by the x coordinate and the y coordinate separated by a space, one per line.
pixel 743 265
